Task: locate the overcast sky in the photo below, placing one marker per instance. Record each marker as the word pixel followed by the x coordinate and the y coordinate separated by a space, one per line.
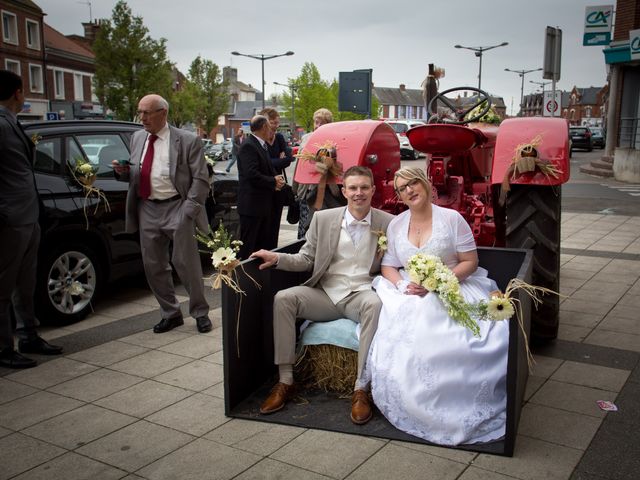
pixel 397 39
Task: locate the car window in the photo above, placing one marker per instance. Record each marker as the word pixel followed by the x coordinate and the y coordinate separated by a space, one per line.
pixel 48 154
pixel 73 153
pixel 101 148
pixel 578 130
pixel 399 127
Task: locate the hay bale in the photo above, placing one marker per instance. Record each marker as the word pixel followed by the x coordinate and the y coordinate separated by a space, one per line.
pixel 327 367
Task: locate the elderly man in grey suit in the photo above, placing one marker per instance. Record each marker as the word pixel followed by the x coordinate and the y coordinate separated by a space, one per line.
pixel 168 186
pixel 341 250
pixel 19 232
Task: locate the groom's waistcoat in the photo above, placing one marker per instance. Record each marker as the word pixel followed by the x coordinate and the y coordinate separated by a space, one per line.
pixel 349 268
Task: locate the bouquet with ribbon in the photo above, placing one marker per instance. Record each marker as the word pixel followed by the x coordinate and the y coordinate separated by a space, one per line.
pixel 85 173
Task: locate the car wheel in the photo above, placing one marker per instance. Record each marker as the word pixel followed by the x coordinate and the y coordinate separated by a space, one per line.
pixel 533 221
pixel 416 155
pixel 69 279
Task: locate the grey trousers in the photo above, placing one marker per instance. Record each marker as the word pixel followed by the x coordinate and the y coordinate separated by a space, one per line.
pixel 315 305
pixel 161 224
pixel 18 257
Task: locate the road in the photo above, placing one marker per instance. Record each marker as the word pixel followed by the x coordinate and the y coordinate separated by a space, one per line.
pixel 587 193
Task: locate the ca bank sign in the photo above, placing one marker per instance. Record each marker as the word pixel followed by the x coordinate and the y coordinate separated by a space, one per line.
pixel 597 25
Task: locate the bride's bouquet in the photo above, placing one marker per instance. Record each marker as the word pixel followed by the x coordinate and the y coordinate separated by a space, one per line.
pixel 429 272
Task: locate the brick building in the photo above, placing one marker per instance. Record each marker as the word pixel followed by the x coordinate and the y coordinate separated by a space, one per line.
pixel 581 106
pixel 70 68
pixel 22 51
pixel 623 115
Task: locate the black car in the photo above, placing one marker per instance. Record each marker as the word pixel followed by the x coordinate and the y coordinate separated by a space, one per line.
pixel 581 137
pixel 84 244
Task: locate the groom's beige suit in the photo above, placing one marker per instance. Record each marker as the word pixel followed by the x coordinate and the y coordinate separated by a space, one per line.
pixel 340 284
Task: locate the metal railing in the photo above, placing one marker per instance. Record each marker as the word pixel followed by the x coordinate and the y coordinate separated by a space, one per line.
pixel 629 134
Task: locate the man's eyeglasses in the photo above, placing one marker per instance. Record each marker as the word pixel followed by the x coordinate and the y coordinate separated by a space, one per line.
pixel 141 113
pixel 410 184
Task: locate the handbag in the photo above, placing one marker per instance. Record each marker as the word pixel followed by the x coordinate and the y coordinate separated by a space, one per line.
pixel 291 201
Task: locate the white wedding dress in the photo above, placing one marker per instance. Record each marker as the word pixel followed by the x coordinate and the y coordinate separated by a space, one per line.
pixel 430 377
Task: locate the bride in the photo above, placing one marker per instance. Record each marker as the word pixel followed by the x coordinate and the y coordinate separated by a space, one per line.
pixel 430 377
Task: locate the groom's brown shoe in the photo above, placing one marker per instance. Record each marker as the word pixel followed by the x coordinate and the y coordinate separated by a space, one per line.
pixel 280 394
pixel 361 411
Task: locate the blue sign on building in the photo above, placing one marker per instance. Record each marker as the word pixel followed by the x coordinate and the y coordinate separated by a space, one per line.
pixel 53 116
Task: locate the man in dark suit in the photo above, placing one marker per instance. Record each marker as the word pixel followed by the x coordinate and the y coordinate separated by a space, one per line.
pixel 257 184
pixel 19 232
pixel 168 186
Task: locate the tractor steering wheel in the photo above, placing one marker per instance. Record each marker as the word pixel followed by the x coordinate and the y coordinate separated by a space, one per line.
pixel 458 113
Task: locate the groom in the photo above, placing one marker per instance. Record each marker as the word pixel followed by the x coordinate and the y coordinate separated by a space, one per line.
pixel 341 250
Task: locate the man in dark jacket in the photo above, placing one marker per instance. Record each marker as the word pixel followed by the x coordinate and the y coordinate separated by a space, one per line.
pixel 257 184
pixel 19 232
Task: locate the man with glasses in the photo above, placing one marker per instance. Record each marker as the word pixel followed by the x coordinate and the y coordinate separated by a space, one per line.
pixel 168 186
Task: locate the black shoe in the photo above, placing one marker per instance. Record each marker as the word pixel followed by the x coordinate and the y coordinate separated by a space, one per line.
pixel 9 358
pixel 167 324
pixel 204 324
pixel 38 345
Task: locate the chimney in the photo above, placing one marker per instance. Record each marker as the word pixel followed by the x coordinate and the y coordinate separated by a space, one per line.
pixel 91 30
pixel 402 87
pixel 230 75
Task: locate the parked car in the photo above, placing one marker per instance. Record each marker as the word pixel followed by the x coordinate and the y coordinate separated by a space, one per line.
pixel 581 138
pixel 597 137
pixel 217 152
pixel 401 127
pixel 83 242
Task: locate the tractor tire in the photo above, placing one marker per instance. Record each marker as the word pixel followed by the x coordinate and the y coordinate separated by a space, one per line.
pixel 533 221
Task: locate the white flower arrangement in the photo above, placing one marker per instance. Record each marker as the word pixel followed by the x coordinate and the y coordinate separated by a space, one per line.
pixel 429 272
pixel 85 174
pixel 224 258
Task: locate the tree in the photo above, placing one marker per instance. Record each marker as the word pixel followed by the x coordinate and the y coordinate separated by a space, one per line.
pixel 312 93
pixel 183 105
pixel 129 63
pixel 210 92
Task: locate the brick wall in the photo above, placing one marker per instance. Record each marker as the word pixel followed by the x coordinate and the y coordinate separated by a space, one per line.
pixel 627 18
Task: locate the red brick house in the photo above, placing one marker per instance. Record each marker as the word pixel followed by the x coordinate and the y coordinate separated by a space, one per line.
pixel 70 69
pixel 22 51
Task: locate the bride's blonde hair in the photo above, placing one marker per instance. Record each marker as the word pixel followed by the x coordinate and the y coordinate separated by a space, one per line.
pixel 412 173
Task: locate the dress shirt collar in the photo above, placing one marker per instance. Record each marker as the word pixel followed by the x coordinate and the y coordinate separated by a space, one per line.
pixel 350 219
pixel 263 144
pixel 163 133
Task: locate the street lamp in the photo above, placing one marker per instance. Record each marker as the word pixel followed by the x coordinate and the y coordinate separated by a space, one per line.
pixel 293 88
pixel 522 73
pixel 478 53
pixel 542 84
pixel 262 57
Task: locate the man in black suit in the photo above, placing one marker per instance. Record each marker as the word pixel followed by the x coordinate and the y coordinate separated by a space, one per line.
pixel 257 184
pixel 19 232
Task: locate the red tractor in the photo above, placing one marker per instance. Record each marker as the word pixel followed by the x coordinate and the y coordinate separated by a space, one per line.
pixel 504 180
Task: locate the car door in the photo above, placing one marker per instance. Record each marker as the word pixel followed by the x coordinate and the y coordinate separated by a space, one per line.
pixel 108 207
pixel 54 188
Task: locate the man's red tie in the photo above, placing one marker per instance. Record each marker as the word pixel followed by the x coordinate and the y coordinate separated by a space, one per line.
pixel 145 171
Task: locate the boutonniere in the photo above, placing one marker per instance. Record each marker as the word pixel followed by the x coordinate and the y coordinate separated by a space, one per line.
pixel 382 242
pixel 35 138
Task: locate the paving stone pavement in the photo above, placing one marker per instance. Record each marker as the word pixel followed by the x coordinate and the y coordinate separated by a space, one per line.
pixel 127 403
